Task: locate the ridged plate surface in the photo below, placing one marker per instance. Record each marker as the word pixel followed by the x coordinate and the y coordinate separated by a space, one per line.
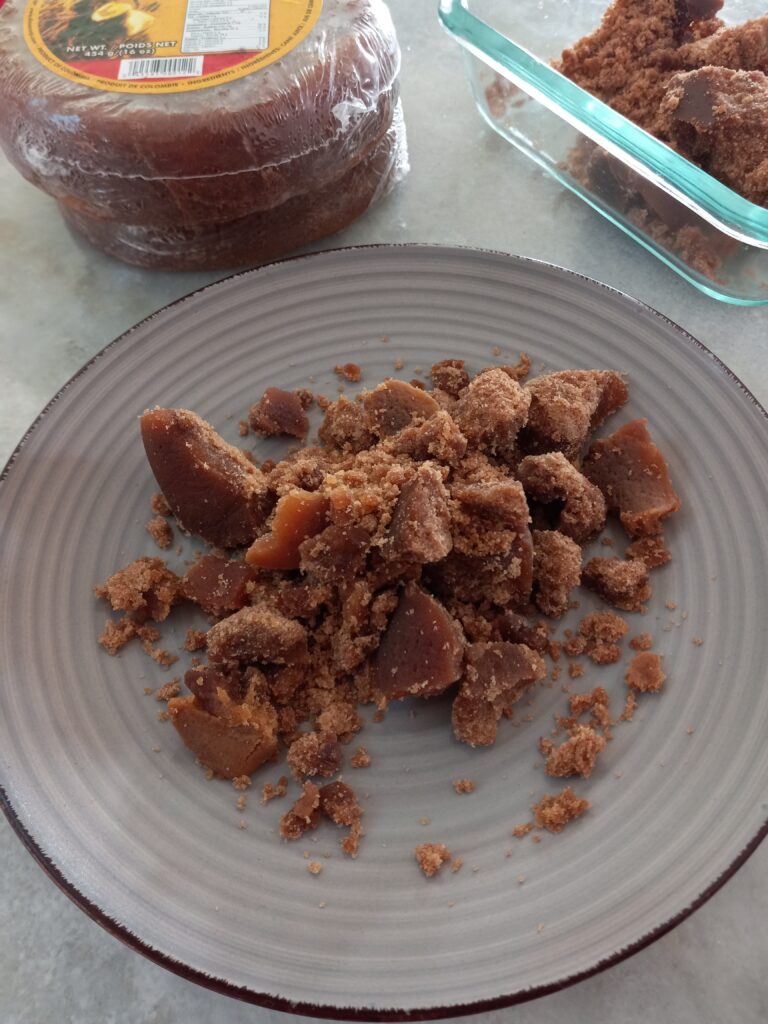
pixel 147 845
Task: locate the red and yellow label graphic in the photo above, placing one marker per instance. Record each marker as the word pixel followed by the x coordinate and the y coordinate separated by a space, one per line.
pixel 164 46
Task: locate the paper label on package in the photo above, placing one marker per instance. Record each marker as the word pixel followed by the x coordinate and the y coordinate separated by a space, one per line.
pixel 164 46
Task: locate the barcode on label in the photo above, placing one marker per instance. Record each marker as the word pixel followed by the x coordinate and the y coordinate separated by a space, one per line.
pixel 160 67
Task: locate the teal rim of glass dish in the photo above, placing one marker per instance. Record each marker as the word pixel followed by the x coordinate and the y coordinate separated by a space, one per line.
pixel 715 202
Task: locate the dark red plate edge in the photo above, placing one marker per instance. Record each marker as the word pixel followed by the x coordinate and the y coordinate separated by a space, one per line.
pixel 244 994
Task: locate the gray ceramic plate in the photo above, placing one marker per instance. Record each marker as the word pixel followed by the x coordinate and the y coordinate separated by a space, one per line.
pixel 114 807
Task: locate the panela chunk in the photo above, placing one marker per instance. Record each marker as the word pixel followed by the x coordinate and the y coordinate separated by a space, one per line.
pixel 298 515
pixel 717 117
pixel 336 555
pixel 236 741
pixel 632 474
pixel 437 438
pixel 315 754
pixel 628 59
pixel 395 404
pixel 552 478
pixel 565 407
pixel 420 654
pixel 279 413
pixel 211 487
pixel 217 584
pixel 491 411
pixel 257 635
pixel 624 584
pixel 346 427
pixel 304 815
pixel 645 673
pixel 420 530
pixel 496 676
pixel 492 556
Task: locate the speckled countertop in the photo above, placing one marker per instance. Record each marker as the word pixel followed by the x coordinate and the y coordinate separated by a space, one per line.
pixel 61 301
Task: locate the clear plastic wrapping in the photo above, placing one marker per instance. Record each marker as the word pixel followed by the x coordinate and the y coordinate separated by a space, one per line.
pixel 190 162
pixel 264 234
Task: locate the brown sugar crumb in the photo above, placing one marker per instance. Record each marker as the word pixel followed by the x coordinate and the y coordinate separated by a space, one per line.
pixel 520 370
pixel 630 706
pixel 314 754
pixel 431 856
pixel 168 691
pixel 398 364
pixel 671 605
pixel 360 759
pixel 574 646
pixel 519 831
pixel 242 802
pixel 425 821
pixel 575 670
pixel 241 782
pixel 159 505
pixel 697 641
pixel 146 589
pixel 314 867
pixel 597 702
pixel 456 864
pixel 341 719
pixel 339 803
pixel 577 755
pixel 163 658
pixel 305 813
pixel 196 640
pixel 607 542
pixel 351 843
pixel 349 371
pixel 554 812
pixel 624 584
pixel 116 635
pixel 651 550
pixel 602 632
pixel 641 642
pixel 243 429
pixel 270 792
pixel 645 673
pixel 557 671
pixel 464 785
pixel 450 376
pixel 163 716
pixel 160 531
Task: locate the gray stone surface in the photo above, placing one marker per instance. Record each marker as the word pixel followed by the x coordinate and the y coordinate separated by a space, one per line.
pixel 61 301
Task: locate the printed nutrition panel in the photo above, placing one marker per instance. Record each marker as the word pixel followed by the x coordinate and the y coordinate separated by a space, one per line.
pixel 220 26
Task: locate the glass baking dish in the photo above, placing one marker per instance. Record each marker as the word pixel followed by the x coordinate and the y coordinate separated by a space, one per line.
pixel 706 232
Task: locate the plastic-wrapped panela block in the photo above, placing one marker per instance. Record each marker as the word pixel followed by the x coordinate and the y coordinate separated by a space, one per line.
pixel 264 234
pixel 163 120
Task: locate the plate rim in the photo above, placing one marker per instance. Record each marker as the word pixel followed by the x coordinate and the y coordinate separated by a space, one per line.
pixel 326 1011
